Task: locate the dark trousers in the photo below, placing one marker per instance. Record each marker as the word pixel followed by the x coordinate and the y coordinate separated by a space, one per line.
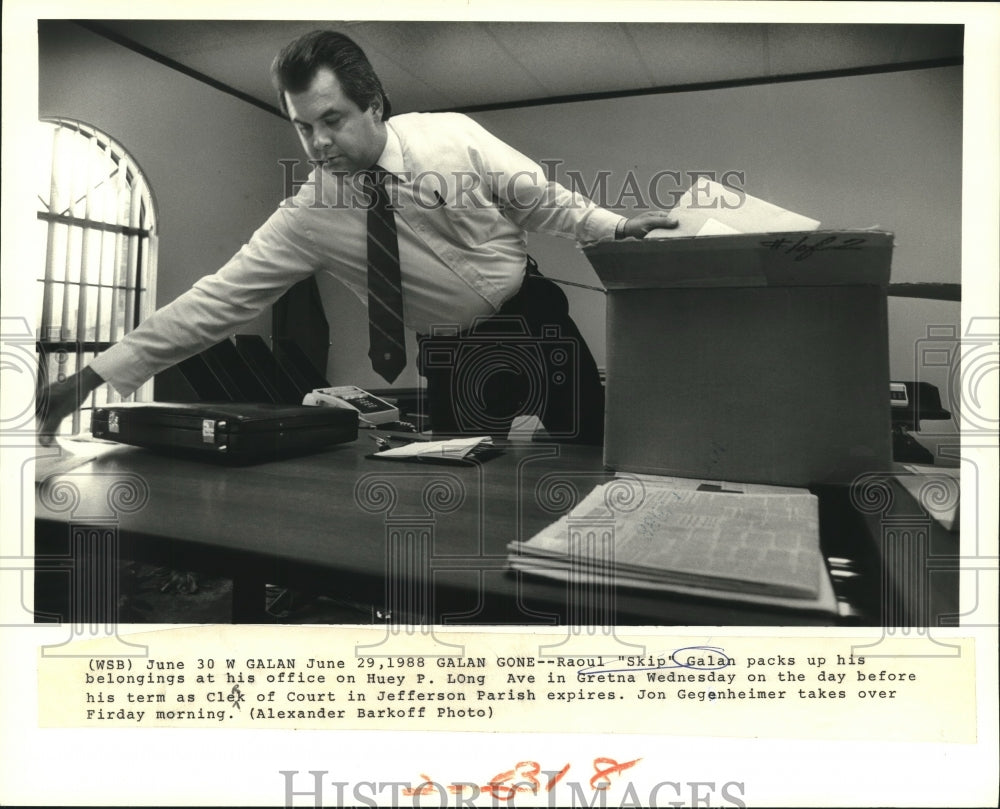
pixel 528 359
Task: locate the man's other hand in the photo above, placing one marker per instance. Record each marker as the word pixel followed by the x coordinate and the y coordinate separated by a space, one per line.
pixel 60 399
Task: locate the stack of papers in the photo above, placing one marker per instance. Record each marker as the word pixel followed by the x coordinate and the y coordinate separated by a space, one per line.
pixel 710 209
pixel 454 449
pixel 740 542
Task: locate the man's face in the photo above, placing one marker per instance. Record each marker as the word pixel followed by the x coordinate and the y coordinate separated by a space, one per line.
pixel 333 130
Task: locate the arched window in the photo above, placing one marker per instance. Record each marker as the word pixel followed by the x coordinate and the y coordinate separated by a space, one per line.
pixel 97 234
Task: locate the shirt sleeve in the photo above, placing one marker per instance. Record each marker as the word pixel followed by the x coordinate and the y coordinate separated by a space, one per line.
pixel 276 257
pixel 528 198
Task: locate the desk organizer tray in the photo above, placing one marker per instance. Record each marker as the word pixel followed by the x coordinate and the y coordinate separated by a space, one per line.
pixel 230 432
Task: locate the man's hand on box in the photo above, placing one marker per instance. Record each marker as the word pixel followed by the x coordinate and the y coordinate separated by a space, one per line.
pixel 638 226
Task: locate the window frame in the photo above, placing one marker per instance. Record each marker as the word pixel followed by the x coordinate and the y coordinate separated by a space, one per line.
pixel 66 341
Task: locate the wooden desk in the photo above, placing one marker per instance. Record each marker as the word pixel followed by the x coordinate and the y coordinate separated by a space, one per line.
pixel 420 543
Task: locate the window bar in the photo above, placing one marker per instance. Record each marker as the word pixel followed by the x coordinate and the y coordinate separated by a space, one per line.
pixel 65 332
pixel 85 237
pixel 140 266
pixel 102 267
pixel 149 277
pixel 121 252
pixel 108 160
pixel 111 195
pixel 146 303
pixel 69 187
pixel 45 325
pixel 130 266
pixel 65 219
pixel 133 258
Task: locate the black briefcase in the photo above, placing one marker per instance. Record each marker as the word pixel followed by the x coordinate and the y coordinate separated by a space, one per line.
pixel 231 432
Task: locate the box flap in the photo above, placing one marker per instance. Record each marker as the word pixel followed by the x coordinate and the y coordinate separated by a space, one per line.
pixel 818 258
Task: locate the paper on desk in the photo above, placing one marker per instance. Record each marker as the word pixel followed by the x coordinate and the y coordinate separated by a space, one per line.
pixel 710 209
pixel 455 448
pixel 70 452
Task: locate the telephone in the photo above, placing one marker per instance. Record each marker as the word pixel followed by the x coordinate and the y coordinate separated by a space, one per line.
pixel 370 408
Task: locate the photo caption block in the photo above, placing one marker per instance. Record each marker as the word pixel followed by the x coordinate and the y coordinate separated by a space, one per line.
pixel 332 678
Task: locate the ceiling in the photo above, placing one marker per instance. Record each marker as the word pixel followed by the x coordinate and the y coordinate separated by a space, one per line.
pixel 457 65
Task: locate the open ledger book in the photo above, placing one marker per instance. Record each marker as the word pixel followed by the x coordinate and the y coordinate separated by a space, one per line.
pixel 738 542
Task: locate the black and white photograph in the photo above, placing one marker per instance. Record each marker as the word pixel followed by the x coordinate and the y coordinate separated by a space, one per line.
pixel 465 349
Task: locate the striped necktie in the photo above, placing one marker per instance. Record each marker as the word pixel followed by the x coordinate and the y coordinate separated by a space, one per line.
pixel 387 346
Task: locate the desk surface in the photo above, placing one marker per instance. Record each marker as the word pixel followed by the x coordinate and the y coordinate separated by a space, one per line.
pixel 426 540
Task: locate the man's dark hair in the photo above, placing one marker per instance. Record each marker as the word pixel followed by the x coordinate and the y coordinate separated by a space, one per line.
pixel 294 69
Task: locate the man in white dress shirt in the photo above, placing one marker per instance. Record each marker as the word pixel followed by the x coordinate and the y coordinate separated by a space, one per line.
pixel 496 339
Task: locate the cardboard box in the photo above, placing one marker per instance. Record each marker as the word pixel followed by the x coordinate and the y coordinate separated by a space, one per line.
pixel 757 357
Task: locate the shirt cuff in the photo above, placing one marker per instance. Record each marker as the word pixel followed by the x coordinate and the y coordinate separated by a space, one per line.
pixel 601 224
pixel 121 368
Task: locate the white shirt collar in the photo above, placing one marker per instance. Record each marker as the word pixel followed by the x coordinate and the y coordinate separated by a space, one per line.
pixel 391 158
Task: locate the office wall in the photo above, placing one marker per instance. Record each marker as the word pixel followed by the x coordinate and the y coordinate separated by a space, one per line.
pixel 879 150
